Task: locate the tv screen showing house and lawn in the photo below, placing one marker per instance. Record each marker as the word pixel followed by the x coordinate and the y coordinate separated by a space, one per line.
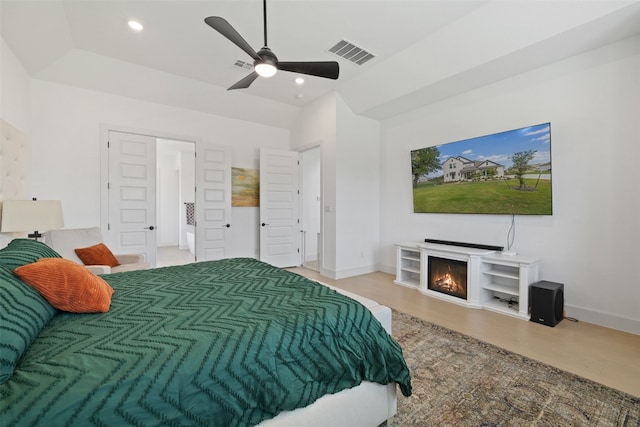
pixel 503 173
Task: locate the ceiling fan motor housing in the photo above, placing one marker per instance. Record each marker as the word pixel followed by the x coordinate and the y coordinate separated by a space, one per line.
pixel 267 65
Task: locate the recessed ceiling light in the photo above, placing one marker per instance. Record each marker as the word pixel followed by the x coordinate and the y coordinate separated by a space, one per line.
pixel 135 25
pixel 299 96
pixel 299 80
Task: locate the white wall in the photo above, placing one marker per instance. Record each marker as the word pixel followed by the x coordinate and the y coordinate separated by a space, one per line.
pixel 357 193
pixel 316 125
pixel 350 164
pixel 590 242
pixel 66 154
pixel 15 86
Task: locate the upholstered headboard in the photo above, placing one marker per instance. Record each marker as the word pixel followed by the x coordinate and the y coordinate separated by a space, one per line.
pixel 14 164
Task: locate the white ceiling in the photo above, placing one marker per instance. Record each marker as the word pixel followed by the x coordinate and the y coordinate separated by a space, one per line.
pixel 426 50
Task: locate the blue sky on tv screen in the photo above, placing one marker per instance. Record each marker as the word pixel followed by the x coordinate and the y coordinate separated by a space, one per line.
pixel 499 147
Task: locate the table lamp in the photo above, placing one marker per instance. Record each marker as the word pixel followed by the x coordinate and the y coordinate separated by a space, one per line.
pixel 27 215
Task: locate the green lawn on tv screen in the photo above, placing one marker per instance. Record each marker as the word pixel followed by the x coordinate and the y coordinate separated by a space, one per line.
pixel 483 197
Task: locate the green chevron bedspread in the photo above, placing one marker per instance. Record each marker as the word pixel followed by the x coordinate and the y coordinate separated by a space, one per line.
pixel 221 343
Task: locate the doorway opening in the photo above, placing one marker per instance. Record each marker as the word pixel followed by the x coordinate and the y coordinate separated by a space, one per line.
pixel 310 208
pixel 175 201
pixel 142 192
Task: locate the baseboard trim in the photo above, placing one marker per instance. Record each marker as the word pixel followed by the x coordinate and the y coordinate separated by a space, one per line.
pixel 606 320
pixel 349 272
pixel 331 274
pixel 356 271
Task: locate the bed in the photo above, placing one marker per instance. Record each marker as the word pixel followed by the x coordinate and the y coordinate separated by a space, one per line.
pixel 235 342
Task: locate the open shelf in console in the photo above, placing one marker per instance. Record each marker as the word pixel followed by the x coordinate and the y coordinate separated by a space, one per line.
pixel 503 289
pixel 505 283
pixel 408 265
pixel 502 271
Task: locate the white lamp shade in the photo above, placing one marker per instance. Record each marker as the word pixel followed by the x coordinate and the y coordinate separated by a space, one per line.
pixel 31 215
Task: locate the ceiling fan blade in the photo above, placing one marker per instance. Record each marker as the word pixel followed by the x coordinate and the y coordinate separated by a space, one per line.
pixel 246 82
pixel 223 27
pixel 326 69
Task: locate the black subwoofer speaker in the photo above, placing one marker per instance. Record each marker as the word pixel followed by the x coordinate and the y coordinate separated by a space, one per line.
pixel 547 302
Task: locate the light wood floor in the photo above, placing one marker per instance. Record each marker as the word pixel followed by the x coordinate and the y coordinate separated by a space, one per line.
pixel 172 255
pixel 603 355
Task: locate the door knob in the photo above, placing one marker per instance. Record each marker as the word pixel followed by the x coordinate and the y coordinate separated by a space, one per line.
pixel 150 228
pixel 227 225
pixel 264 223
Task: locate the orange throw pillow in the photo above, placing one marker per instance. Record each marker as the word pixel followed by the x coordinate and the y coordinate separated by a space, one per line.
pixel 97 255
pixel 67 285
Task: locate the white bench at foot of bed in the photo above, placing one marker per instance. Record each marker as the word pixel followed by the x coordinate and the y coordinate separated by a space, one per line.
pixel 367 405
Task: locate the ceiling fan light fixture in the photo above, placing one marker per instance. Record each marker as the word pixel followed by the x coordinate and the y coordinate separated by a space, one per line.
pixel 265 69
pixel 135 25
pixel 267 64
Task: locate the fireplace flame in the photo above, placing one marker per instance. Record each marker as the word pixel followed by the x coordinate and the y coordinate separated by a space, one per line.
pixel 448 283
pixel 448 276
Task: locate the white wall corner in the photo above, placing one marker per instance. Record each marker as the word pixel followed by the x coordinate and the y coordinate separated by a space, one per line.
pixel 390 269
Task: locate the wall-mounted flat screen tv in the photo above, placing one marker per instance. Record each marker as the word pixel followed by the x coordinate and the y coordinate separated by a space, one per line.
pixel 504 173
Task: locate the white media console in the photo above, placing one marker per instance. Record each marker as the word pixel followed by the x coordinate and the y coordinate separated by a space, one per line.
pixel 494 281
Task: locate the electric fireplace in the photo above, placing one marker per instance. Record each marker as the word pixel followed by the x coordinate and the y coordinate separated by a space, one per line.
pixel 448 276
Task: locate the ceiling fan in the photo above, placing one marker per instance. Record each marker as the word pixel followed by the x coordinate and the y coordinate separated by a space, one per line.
pixel 265 62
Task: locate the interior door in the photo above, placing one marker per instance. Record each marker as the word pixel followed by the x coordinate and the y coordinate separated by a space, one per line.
pixel 279 206
pixel 213 201
pixel 132 194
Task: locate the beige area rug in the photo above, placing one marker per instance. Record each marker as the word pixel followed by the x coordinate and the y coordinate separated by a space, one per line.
pixel 461 381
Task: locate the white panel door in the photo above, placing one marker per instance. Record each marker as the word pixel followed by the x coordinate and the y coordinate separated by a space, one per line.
pixel 279 206
pixel 213 200
pixel 132 194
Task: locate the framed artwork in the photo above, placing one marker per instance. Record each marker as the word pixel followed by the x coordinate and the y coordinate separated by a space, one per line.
pixel 245 187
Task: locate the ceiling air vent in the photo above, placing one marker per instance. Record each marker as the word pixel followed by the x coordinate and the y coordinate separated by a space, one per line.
pixel 353 53
pixel 242 64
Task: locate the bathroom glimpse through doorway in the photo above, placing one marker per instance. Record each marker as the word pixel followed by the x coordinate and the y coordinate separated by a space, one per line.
pixel 310 209
pixel 175 201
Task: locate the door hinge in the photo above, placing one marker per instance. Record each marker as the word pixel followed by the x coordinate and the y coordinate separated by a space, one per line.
pixel 108 146
pixel 108 227
pixel 298 250
pixel 108 186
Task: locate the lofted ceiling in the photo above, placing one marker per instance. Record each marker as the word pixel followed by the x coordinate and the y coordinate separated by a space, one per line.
pixel 425 50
